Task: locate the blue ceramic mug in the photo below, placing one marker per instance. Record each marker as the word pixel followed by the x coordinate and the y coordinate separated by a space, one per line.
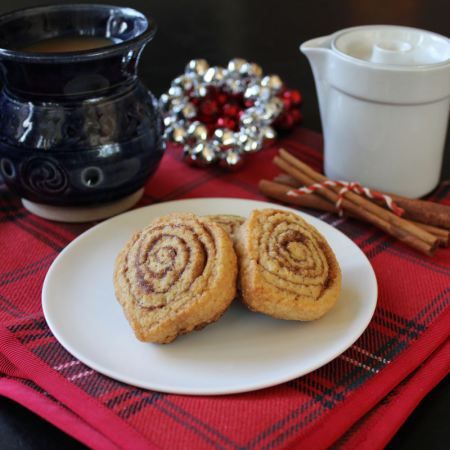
pixel 76 127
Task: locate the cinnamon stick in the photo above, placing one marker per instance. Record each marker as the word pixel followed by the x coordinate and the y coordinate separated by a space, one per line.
pixel 363 202
pixel 279 192
pixel 424 211
pixel 442 234
pixel 286 179
pixel 399 228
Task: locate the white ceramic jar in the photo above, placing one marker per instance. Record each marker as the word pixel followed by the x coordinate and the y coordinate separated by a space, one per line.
pixel 384 97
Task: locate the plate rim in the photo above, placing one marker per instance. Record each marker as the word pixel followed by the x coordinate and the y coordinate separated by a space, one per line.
pixel 208 391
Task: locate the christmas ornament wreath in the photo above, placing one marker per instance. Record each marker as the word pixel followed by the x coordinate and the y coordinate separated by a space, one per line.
pixel 219 115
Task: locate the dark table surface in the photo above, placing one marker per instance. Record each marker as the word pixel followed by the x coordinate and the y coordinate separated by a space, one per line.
pixel 269 33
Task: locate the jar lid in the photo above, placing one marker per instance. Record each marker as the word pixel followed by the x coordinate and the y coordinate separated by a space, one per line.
pixel 394 45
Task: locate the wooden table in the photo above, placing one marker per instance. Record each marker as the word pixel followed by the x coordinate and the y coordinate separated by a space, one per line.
pixel 268 33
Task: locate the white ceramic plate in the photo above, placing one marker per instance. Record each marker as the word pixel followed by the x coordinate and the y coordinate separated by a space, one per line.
pixel 241 352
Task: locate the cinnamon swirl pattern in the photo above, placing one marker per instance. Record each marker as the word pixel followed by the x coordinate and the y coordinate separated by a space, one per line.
pixel 230 222
pixel 176 275
pixel 287 269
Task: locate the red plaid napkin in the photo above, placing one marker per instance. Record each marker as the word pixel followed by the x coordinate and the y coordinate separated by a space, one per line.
pixel 358 400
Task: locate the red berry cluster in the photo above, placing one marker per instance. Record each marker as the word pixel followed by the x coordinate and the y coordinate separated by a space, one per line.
pixel 291 114
pixel 219 109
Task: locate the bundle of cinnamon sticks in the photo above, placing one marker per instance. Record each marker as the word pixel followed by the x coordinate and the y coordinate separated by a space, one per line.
pixel 424 225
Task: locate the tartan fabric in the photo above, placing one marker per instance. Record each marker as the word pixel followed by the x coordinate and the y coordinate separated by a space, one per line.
pixel 394 409
pixel 339 403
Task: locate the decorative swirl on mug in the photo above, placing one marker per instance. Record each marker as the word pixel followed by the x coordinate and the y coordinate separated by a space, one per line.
pixel 44 176
pixel 288 261
pixel 179 262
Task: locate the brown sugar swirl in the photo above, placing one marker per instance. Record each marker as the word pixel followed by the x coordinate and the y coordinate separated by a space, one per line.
pixel 175 275
pixel 168 259
pixel 288 270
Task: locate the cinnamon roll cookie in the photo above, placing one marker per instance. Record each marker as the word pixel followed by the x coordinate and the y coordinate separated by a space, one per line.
pixel 176 275
pixel 230 222
pixel 287 269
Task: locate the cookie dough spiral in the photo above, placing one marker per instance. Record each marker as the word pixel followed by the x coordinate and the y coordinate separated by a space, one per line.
pixel 176 275
pixel 287 269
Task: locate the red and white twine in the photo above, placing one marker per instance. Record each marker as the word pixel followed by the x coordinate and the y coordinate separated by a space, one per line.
pixel 348 186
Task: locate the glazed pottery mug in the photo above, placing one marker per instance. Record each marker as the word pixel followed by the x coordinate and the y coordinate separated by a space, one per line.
pixel 79 133
pixel 384 96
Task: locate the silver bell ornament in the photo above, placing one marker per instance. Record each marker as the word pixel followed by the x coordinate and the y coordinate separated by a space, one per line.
pixel 179 134
pixel 214 75
pixel 251 70
pixel 177 104
pixel 251 116
pixel 232 160
pixel 234 86
pixel 191 153
pixel 175 91
pixel 235 64
pixel 189 111
pixel 224 137
pixel 204 154
pixel 198 131
pixel 252 145
pixel 184 82
pixel 252 92
pixel 200 90
pixel 265 94
pixel 273 82
pixel 197 67
pixel 268 133
pixel 271 109
pixel 188 155
pixel 164 102
pixel 170 121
